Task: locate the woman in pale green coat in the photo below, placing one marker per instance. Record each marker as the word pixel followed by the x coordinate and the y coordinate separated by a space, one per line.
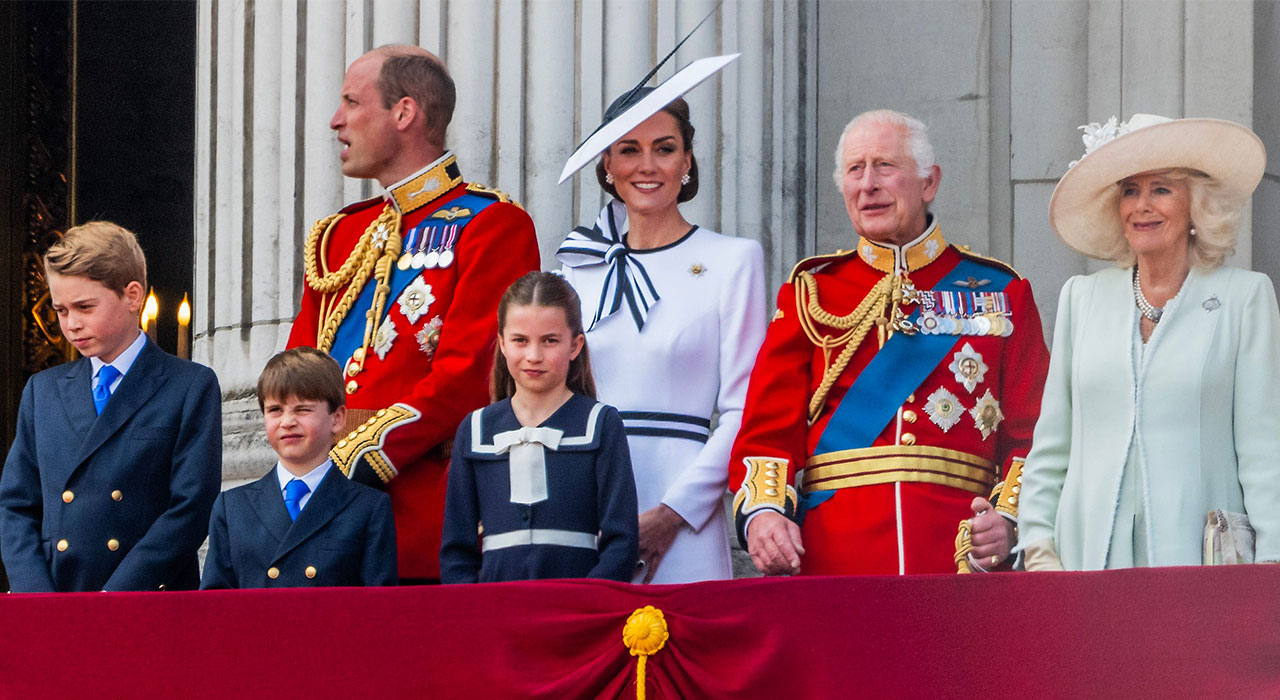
pixel 1163 396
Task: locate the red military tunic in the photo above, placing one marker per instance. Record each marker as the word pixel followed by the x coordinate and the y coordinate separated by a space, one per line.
pixel 895 504
pixel 427 363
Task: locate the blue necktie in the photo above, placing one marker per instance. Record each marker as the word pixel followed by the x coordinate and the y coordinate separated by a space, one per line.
pixel 293 493
pixel 102 392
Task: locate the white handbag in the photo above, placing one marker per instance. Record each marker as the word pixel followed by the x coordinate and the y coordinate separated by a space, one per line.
pixel 1228 538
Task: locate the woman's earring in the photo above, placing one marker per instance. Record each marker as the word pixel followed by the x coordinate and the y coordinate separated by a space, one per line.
pixel 608 177
pixel 1193 229
pixel 684 179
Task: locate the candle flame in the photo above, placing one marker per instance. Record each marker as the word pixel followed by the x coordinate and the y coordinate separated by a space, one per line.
pixel 184 312
pixel 151 311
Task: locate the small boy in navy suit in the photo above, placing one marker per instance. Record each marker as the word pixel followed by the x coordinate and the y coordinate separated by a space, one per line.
pixel 118 455
pixel 304 523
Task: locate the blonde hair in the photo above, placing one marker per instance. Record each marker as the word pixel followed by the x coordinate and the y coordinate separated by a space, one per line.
pixel 1215 214
pixel 101 251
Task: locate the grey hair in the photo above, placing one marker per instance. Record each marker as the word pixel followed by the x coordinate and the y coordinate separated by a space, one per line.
pixel 918 145
pixel 1215 214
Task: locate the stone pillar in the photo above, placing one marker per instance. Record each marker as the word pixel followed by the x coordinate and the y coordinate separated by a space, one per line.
pixel 533 80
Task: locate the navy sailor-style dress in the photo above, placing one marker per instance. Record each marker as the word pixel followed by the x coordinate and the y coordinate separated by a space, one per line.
pixel 553 501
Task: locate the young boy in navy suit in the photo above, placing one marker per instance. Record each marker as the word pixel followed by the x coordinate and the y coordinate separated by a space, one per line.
pixel 304 523
pixel 118 455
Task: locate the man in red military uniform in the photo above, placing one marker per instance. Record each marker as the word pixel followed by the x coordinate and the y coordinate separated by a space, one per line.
pixel 898 387
pixel 402 290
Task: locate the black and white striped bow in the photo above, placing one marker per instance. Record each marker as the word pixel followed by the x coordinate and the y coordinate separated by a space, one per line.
pixel 626 281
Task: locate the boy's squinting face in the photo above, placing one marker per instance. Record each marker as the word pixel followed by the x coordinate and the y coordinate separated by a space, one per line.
pixel 96 320
pixel 301 431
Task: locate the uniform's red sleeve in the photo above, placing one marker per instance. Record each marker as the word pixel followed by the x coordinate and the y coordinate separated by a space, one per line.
pixel 497 248
pixel 771 443
pixel 1026 362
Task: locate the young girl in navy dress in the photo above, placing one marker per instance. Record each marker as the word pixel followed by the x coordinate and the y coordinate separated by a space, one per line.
pixel 540 485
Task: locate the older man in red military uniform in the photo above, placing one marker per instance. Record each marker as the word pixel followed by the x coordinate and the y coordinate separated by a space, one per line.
pixel 898 387
pixel 402 289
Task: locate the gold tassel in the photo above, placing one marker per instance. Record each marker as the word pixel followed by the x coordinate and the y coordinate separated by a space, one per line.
pixel 644 634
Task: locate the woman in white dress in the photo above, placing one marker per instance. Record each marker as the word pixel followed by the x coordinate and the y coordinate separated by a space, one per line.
pixel 1161 399
pixel 676 316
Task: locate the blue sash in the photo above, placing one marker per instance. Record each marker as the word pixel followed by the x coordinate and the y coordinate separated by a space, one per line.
pixel 886 382
pixel 350 333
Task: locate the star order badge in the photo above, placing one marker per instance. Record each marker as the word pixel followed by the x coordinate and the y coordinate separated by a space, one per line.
pixel 987 414
pixel 968 367
pixel 384 337
pixel 416 299
pixel 944 409
pixel 429 337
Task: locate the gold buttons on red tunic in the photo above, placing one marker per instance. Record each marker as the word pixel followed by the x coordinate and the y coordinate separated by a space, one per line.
pixel 908 439
pixel 909 416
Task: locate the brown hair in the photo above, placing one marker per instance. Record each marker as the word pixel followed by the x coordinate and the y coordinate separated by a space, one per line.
pixel 101 251
pixel 679 109
pixel 304 373
pixel 545 289
pixel 408 71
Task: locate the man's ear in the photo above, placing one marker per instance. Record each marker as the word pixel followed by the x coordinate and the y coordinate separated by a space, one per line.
pixel 339 421
pixel 406 112
pixel 134 295
pixel 931 182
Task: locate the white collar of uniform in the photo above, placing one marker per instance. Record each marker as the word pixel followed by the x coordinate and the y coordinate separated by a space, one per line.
pixel 124 360
pixel 312 478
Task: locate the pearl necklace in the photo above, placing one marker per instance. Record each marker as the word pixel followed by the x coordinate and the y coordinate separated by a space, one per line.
pixel 1151 312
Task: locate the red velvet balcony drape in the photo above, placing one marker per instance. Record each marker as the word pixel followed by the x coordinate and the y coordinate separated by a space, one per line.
pixel 1154 633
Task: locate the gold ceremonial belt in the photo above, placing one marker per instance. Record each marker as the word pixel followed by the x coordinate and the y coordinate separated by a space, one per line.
pixel 889 463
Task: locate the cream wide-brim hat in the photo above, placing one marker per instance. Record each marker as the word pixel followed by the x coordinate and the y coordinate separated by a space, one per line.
pixel 1085 208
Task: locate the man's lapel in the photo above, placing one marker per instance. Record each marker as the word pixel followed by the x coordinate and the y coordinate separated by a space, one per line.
pixel 268 503
pixel 331 496
pixel 145 377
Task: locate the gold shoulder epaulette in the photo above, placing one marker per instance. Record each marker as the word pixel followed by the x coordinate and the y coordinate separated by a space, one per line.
pixel 491 193
pixel 368 440
pixel 817 260
pixel 965 251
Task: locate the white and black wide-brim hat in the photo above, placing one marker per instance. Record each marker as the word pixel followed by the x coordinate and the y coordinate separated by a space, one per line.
pixel 1085 208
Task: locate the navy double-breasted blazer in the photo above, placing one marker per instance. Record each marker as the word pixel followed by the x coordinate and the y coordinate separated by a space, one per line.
pixel 118 501
pixel 345 536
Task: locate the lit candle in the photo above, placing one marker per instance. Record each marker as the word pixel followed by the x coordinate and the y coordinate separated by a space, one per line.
pixel 184 323
pixel 150 312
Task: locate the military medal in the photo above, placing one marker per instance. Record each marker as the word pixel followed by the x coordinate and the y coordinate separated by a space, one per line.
pixel 406 260
pixel 429 337
pixel 384 337
pixel 944 409
pixel 987 415
pixel 423 260
pixel 416 299
pixel 419 253
pixel 968 367
pixel 446 255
